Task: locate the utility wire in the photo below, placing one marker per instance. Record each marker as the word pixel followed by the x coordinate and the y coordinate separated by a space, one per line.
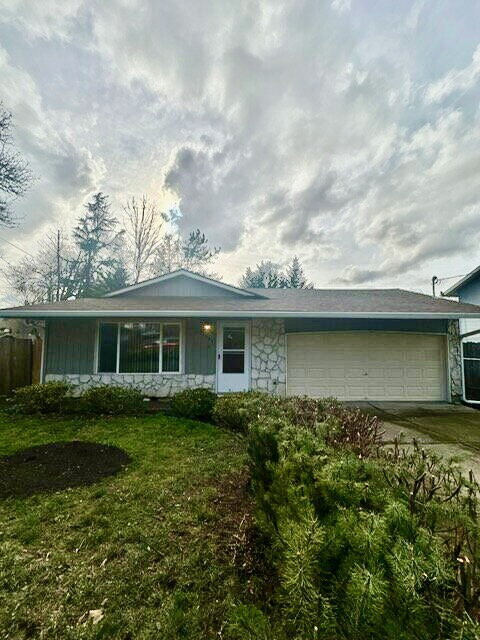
pixel 15 246
pixel 451 277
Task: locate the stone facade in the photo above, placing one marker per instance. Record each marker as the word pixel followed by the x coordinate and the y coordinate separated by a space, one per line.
pixel 268 357
pixel 151 384
pixel 454 360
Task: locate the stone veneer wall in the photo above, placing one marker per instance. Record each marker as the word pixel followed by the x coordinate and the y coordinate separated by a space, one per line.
pixel 455 360
pixel 268 363
pixel 152 384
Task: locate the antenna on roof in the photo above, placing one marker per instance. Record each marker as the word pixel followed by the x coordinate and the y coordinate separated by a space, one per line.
pixel 436 281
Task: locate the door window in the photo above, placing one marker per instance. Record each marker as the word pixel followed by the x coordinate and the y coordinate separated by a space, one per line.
pixel 233 350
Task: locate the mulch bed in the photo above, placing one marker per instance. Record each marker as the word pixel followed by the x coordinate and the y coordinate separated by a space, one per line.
pixel 57 466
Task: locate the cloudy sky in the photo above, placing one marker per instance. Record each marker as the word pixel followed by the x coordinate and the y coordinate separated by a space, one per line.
pixel 344 131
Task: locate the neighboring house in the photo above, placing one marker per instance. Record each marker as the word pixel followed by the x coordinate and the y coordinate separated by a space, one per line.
pixel 468 290
pixel 185 330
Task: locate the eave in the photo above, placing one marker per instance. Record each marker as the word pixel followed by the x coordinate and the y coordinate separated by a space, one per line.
pixel 234 314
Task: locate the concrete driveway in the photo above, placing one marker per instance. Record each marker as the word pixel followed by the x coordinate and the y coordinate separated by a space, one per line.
pixel 450 430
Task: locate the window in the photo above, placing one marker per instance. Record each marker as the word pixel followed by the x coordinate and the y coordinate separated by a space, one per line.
pixel 107 357
pixel 171 347
pixel 471 370
pixel 233 350
pixel 139 347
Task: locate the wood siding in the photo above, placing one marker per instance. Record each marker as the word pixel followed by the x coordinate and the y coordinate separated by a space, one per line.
pixel 70 347
pixel 200 349
pixel 183 287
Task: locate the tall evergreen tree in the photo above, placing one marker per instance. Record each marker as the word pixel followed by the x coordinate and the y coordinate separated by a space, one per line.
pixel 97 238
pixel 270 275
pixel 266 275
pixel 295 276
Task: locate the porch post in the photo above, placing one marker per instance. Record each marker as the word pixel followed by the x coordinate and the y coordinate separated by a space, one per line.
pixel 454 360
pixel 268 356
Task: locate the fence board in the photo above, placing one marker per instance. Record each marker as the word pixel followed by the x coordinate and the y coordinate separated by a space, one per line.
pixel 15 363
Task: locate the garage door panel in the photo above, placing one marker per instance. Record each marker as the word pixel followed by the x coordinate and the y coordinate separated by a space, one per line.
pixel 367 366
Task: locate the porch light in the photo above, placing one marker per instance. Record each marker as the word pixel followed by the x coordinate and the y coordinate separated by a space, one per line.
pixel 207 328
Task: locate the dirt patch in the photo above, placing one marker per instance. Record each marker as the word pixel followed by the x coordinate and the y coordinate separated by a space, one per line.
pixel 239 542
pixel 58 465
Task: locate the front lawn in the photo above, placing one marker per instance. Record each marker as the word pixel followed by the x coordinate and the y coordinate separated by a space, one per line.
pixel 147 553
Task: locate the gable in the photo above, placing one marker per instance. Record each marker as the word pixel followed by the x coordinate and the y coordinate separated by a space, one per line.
pixel 180 286
pixel 470 292
pixel 182 283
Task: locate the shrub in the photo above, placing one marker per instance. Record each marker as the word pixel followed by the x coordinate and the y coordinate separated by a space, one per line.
pixel 358 431
pixel 49 397
pixel 195 404
pixel 365 543
pixel 238 410
pixel 111 400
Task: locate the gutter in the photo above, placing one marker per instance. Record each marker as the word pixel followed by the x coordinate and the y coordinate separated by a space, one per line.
pixel 233 314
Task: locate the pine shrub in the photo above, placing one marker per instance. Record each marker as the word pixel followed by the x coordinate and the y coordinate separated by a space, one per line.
pixel 236 411
pixel 194 404
pixel 366 543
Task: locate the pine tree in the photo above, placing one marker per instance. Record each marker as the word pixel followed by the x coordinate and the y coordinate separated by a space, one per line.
pixel 295 277
pixel 97 238
pixel 266 275
pixel 192 253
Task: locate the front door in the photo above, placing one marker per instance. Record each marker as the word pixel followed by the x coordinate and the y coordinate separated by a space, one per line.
pixel 233 356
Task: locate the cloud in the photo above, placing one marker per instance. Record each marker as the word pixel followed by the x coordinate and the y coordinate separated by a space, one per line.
pixel 42 19
pixel 64 172
pixel 456 80
pixel 280 128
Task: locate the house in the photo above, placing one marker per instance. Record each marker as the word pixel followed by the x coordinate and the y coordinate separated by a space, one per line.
pixel 184 330
pixel 468 290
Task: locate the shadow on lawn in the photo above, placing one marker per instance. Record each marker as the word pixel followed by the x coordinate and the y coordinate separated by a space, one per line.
pixel 57 466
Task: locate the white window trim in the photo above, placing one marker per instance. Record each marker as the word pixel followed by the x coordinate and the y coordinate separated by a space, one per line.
pixel 181 360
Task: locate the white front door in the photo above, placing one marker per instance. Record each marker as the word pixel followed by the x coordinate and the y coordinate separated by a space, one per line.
pixel 233 356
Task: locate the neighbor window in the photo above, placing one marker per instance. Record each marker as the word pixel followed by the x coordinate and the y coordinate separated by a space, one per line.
pixel 139 347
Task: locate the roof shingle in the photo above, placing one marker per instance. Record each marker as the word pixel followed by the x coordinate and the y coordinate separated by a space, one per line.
pixel 311 302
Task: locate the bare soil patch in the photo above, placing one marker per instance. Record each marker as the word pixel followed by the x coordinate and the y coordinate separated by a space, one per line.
pixel 58 465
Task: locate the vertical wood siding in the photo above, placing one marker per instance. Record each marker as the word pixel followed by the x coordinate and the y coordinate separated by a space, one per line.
pixel 200 349
pixel 70 346
pixel 181 286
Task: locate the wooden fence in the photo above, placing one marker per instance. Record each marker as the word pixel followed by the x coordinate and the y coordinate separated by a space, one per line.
pixel 20 362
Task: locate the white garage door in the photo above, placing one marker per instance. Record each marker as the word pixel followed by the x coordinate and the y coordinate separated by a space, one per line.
pixel 367 366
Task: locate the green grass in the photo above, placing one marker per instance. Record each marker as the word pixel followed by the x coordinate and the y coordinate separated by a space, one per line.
pixel 143 546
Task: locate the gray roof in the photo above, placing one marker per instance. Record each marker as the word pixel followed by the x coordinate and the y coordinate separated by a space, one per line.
pixel 370 303
pixel 458 286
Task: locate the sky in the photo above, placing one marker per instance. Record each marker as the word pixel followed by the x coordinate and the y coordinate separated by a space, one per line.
pixel 346 132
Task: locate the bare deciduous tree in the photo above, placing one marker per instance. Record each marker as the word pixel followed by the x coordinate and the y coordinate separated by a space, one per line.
pixel 15 175
pixel 143 224
pixel 52 274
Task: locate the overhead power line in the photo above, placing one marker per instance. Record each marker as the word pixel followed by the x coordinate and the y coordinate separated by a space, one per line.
pixel 15 246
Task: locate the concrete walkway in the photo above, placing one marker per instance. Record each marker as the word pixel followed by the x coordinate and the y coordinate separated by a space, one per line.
pixel 450 430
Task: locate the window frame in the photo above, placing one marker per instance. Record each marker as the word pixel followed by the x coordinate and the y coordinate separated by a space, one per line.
pixel 161 323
